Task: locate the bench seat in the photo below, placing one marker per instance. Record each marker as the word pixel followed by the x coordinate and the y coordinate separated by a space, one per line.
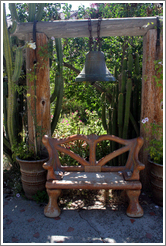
pixel 93 180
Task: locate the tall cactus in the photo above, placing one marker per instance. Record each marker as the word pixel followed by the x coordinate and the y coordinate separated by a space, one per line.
pixel 59 85
pixel 12 81
pixel 127 108
pixel 124 107
pixel 128 96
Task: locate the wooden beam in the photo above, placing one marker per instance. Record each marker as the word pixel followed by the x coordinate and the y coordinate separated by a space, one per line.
pixel 135 26
pixel 38 103
pixel 152 96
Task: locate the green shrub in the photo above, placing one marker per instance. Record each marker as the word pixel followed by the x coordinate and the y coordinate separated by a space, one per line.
pixel 71 124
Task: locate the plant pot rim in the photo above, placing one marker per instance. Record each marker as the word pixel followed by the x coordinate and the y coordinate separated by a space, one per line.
pixel 154 162
pixel 35 161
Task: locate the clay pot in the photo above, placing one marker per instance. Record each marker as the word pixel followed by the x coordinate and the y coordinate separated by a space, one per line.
pixel 156 178
pixel 33 176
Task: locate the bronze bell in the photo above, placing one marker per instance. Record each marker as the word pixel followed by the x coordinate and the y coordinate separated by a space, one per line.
pixel 95 68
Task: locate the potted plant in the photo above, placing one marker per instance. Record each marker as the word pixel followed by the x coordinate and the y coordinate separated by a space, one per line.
pixel 33 176
pixel 155 159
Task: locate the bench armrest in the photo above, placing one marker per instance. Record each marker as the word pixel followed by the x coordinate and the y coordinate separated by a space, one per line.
pixel 133 173
pixel 50 170
pixel 52 164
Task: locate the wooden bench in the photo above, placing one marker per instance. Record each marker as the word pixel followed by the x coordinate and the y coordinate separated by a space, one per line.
pixel 92 174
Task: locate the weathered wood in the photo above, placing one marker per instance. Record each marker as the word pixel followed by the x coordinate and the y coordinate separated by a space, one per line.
pixel 39 115
pixel 134 26
pixel 152 95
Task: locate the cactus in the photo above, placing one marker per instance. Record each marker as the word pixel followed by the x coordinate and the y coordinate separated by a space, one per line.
pixel 5 95
pixel 32 11
pixel 123 111
pixel 18 64
pixel 120 114
pixel 127 108
pixel 39 14
pixel 13 12
pixel 137 70
pixel 13 27
pixel 59 84
pixel 130 64
pixel 137 89
pixel 104 111
pixel 12 126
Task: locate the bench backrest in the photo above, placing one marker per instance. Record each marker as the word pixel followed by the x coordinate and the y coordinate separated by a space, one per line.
pixel 54 145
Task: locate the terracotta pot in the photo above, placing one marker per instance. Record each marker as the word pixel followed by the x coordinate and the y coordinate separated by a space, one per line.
pixel 156 178
pixel 33 176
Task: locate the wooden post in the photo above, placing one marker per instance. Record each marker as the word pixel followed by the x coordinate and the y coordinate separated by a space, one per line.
pixel 38 93
pixel 152 96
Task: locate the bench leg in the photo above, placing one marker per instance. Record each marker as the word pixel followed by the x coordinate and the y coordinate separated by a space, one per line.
pixel 52 209
pixel 134 209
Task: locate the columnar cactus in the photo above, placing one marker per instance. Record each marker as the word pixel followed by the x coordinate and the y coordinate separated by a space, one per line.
pixel 13 60
pixel 12 81
pixel 59 85
pixel 124 110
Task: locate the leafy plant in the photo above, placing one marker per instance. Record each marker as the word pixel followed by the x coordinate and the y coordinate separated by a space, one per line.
pixel 159 73
pixel 41 197
pixel 22 151
pixel 72 124
pixel 155 144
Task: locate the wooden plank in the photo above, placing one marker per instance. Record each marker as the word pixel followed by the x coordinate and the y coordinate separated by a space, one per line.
pixel 93 168
pixel 135 26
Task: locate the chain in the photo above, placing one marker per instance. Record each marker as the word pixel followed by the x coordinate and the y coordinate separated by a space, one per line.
pixel 98 33
pixel 90 31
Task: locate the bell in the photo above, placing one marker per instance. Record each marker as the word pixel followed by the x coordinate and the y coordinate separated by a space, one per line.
pixel 95 68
